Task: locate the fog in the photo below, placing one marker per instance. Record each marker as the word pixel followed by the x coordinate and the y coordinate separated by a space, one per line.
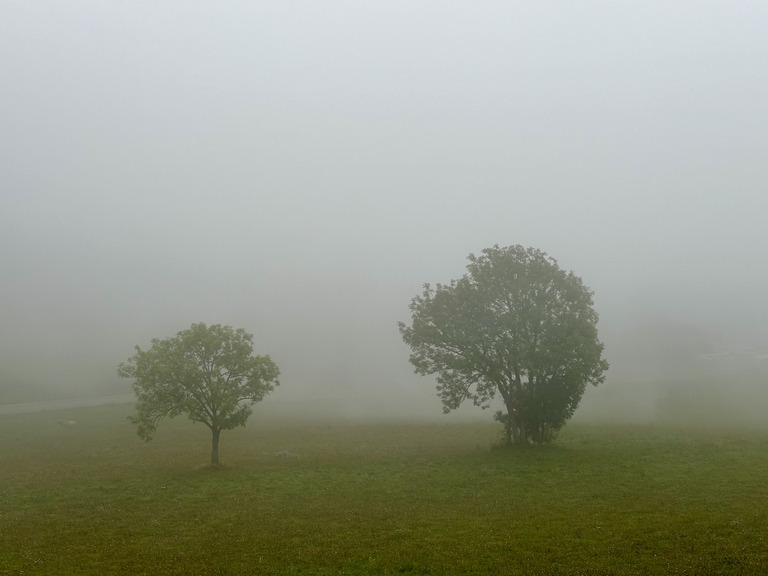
pixel 300 169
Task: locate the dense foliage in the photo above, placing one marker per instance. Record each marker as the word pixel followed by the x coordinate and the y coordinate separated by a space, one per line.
pixel 206 372
pixel 515 325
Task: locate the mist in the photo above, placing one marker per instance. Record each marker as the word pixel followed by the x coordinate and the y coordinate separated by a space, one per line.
pixel 299 170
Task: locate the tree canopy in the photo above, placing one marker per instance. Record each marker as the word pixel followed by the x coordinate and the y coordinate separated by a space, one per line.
pixel 515 325
pixel 208 373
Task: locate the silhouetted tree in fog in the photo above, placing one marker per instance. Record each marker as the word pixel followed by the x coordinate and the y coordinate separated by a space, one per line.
pixel 516 325
pixel 208 373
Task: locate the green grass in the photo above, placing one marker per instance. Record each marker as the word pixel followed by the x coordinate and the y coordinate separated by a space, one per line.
pixel 379 498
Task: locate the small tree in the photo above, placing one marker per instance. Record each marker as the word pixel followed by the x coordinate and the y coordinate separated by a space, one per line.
pixel 516 325
pixel 208 373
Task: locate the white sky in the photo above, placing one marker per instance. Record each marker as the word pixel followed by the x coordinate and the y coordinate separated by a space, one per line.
pixel 299 169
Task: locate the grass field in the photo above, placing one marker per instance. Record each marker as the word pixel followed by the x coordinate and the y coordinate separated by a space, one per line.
pixel 376 498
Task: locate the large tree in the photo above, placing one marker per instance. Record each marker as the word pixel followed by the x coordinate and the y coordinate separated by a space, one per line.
pixel 208 373
pixel 515 325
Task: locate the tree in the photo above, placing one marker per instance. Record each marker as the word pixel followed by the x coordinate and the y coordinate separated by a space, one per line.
pixel 208 373
pixel 515 325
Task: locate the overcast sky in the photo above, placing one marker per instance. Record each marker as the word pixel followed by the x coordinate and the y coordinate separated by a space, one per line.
pixel 299 169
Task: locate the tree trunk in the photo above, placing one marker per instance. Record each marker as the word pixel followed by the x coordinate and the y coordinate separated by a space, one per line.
pixel 516 431
pixel 508 429
pixel 513 426
pixel 215 432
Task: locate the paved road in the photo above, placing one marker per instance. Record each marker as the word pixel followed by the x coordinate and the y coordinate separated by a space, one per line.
pixel 62 404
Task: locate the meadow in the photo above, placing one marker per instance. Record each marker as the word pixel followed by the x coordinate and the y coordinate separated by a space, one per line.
pixel 329 496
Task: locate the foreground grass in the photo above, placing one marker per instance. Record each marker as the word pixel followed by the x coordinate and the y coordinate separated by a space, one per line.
pixel 386 498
